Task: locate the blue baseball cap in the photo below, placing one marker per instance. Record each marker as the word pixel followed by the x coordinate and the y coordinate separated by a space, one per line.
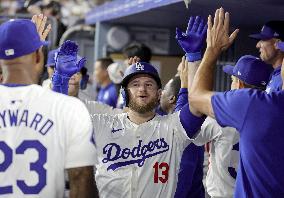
pixel 250 70
pixel 141 68
pixel 19 37
pixel 272 29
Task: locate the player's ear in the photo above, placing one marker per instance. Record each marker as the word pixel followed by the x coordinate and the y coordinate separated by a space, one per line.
pixel 159 94
pixel 39 55
pixel 241 84
pixel 172 99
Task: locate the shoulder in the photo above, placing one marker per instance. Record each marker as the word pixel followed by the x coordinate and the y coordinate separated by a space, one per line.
pixel 59 100
pixel 240 94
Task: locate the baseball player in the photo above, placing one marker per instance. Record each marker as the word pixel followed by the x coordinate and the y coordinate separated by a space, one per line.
pixel 139 152
pixel 249 72
pixel 271 34
pixel 41 132
pixel 257 116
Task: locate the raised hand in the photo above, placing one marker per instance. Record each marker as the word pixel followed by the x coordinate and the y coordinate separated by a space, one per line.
pixel 42 29
pixel 133 60
pixel 218 37
pixel 193 40
pixel 66 62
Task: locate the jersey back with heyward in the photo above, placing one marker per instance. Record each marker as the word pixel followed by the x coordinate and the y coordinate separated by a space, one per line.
pixel 41 134
pixel 138 160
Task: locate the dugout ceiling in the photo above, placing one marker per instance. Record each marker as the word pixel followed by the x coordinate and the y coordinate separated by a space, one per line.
pixel 172 13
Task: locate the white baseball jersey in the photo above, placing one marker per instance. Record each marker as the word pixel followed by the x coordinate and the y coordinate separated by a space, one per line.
pixel 138 160
pixel 224 157
pixel 95 107
pixel 41 134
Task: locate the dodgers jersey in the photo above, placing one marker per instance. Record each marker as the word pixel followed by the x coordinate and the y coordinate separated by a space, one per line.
pixel 224 157
pixel 140 160
pixel 275 83
pixel 258 117
pixel 95 107
pixel 41 134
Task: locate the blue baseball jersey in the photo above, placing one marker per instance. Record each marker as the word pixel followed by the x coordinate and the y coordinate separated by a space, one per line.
pixel 108 95
pixel 258 117
pixel 275 83
pixel 191 166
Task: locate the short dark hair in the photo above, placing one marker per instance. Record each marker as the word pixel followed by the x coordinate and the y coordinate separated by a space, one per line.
pixel 84 71
pixel 105 62
pixel 175 86
pixel 140 50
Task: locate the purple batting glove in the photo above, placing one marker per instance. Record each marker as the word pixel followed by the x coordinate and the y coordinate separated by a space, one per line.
pixel 193 40
pixel 66 65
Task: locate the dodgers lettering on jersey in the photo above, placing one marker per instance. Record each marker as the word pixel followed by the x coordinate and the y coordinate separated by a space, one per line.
pixel 42 133
pixel 24 118
pixel 138 154
pixel 138 160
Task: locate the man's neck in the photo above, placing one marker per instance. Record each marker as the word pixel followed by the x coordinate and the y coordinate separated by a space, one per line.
pixel 139 118
pixel 277 62
pixel 19 75
pixel 19 79
pixel 106 83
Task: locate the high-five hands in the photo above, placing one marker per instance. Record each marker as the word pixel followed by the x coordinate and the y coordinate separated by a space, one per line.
pixel 218 38
pixel 193 40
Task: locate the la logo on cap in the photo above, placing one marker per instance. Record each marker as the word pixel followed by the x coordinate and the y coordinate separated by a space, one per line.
pixel 276 34
pixel 9 52
pixel 239 73
pixel 139 67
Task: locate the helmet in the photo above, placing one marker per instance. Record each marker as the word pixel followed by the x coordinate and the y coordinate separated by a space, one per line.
pixel 135 69
pixel 141 68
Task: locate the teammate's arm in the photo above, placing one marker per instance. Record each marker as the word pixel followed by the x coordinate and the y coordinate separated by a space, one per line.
pixel 82 182
pixel 218 39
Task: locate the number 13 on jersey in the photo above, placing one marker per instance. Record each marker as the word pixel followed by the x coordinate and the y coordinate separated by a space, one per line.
pixel 161 172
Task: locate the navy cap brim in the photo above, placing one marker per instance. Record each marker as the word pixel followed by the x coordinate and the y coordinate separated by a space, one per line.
pixel 229 69
pixel 280 46
pixel 260 37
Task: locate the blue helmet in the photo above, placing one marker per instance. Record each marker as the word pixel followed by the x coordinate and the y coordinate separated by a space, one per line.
pixel 140 68
pixel 135 69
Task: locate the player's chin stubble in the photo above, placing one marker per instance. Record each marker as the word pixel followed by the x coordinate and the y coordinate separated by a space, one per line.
pixel 133 105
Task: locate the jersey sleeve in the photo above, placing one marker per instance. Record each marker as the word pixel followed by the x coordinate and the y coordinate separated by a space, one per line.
pixel 100 108
pixel 182 99
pixel 80 147
pixel 230 108
pixel 210 129
pixel 185 125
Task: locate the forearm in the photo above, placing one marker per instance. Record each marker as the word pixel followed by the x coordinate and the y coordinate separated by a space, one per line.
pixel 192 69
pixel 82 183
pixel 202 85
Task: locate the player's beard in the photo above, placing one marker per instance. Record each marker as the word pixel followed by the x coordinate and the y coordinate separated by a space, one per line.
pixel 133 105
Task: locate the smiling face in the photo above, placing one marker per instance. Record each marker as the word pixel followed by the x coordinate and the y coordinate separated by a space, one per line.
pixel 144 93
